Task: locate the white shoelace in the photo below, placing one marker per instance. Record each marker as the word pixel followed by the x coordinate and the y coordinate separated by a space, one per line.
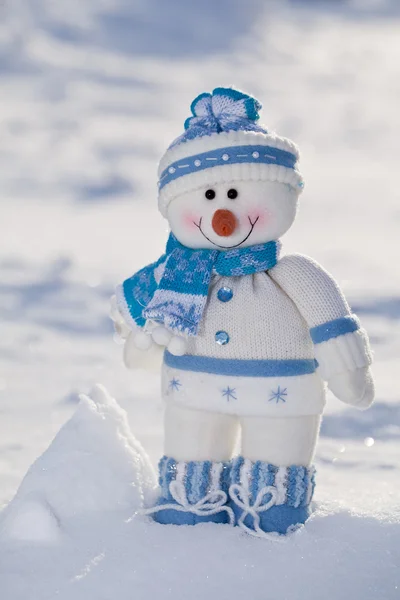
pixel 211 504
pixel 241 497
pixel 215 502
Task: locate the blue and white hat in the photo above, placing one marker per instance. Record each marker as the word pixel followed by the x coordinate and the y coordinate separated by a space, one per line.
pixel 224 142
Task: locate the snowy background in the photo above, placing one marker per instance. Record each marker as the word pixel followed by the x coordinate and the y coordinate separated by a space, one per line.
pixel 90 95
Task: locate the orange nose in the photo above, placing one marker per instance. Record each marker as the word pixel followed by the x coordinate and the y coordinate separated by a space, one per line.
pixel 223 222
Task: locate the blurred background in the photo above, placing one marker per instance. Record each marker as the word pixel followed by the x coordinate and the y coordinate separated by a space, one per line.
pixel 91 93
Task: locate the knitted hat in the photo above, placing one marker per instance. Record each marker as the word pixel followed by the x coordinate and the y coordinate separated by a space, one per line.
pixel 224 142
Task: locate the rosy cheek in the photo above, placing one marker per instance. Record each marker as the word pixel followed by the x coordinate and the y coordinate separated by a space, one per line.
pixel 261 215
pixel 189 221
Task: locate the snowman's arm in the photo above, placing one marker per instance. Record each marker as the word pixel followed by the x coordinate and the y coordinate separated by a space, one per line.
pixel 341 345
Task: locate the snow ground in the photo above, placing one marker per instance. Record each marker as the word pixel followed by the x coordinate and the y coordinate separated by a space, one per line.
pixel 91 93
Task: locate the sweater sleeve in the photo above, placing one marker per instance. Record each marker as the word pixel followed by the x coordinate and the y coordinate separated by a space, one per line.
pixel 339 341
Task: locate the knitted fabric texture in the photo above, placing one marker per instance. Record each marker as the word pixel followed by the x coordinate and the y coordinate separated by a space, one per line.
pixel 343 353
pixel 198 477
pixel 178 301
pixel 261 319
pixel 192 492
pixel 268 500
pixel 234 156
pixel 303 280
pixel 294 485
pixel 265 367
pixel 225 109
pixel 334 328
pixel 340 343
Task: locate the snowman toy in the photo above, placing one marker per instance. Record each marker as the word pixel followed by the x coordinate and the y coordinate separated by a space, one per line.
pixel 251 338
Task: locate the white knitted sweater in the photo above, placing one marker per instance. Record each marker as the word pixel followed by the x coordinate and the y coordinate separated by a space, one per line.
pixel 254 354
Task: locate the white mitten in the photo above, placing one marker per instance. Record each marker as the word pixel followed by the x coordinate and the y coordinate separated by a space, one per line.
pixel 137 339
pixel 354 387
pixel 141 347
pixel 120 325
pixel 161 335
pixel 176 344
pixel 137 343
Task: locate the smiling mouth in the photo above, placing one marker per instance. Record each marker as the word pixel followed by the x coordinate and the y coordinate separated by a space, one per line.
pixel 198 225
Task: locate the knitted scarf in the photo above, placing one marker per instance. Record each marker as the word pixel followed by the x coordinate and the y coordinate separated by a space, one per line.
pixel 173 291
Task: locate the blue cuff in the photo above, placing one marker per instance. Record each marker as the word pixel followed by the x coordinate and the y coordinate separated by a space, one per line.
pixel 335 328
pixel 295 483
pixel 197 477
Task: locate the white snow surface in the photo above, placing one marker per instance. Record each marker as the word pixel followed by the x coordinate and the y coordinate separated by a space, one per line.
pixel 78 510
pixel 94 464
pixel 91 94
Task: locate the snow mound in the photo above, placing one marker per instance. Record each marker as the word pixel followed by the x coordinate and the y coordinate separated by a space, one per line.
pixel 94 465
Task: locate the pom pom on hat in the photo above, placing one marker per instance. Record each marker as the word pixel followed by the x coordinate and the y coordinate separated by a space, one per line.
pixel 225 109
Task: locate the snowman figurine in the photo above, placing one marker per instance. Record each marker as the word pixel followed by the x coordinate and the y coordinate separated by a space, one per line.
pixel 251 338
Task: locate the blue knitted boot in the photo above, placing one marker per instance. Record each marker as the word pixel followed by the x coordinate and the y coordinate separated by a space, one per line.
pixel 268 499
pixel 192 492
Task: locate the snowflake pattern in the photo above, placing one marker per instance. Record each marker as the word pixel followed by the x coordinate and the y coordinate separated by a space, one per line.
pixel 174 384
pixel 279 395
pixel 229 393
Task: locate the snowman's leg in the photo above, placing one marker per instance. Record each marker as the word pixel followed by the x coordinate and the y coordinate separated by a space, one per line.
pixel 194 472
pixel 280 441
pixel 198 434
pixel 272 482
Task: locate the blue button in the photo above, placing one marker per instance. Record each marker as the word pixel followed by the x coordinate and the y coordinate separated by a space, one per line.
pixel 225 294
pixel 222 338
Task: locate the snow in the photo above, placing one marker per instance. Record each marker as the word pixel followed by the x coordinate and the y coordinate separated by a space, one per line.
pixel 94 464
pixel 78 509
pixel 91 93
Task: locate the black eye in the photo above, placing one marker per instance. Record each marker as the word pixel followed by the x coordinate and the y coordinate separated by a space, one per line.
pixel 210 194
pixel 232 194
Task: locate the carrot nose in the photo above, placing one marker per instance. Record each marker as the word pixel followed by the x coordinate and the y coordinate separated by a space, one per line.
pixel 224 222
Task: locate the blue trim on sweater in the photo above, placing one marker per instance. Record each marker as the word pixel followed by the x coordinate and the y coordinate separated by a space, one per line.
pixel 335 328
pixel 225 156
pixel 240 368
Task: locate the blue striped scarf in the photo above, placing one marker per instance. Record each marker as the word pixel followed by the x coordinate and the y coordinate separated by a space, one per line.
pixel 179 299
